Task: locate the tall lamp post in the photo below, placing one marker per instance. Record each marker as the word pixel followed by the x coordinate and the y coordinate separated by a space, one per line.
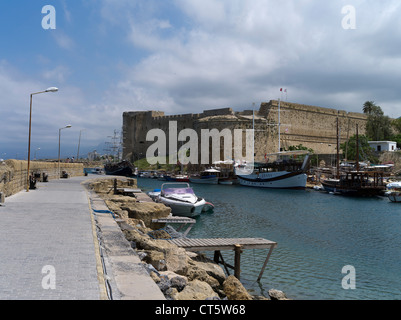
pixel 51 89
pixel 59 144
pixel 79 142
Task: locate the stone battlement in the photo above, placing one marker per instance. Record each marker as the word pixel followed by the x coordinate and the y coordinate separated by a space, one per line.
pixel 312 126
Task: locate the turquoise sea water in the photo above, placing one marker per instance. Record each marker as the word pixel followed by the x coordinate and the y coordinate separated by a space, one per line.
pixel 317 235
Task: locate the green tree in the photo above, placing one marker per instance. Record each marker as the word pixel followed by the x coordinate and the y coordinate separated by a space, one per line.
pixel 366 153
pixel 378 126
pixel 397 124
pixel 368 107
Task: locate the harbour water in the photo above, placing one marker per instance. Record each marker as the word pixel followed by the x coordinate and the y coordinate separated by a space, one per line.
pixel 317 235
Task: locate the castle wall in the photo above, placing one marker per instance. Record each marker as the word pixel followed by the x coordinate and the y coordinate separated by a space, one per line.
pixel 313 127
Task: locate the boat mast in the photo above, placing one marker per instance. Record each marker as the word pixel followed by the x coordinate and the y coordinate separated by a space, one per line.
pixel 338 153
pixel 279 131
pixel 357 149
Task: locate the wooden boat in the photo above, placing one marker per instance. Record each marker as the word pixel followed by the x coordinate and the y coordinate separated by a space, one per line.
pixel 177 178
pixel 123 168
pixel 208 176
pixel 281 174
pixel 356 183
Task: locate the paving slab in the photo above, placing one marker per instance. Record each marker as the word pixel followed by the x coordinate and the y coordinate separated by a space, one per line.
pixel 50 250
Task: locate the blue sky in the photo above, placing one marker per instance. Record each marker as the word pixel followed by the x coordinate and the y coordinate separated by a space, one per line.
pixel 185 56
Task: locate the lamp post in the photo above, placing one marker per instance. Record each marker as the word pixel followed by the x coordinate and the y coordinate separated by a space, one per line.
pixel 59 145
pixel 51 89
pixel 79 142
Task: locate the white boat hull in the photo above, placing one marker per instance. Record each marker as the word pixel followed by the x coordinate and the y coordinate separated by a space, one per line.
pixel 275 180
pixel 394 196
pixel 185 209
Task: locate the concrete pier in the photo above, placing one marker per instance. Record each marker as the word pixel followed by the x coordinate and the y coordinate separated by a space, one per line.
pixel 50 250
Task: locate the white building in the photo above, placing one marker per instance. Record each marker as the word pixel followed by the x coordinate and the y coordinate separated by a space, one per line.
pixel 383 145
pixel 93 156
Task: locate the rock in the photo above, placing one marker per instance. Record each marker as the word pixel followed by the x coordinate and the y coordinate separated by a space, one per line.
pixel 177 260
pixel 211 268
pixel 156 259
pixel 277 295
pixel 155 277
pixel 164 284
pixel 146 211
pixel 234 290
pixel 171 293
pixel 196 290
pixel 179 283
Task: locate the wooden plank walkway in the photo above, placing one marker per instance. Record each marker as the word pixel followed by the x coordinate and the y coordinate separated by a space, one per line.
pixel 183 221
pixel 236 244
pixel 222 243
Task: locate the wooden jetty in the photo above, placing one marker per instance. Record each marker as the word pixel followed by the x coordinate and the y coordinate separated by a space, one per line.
pixel 183 221
pixel 219 244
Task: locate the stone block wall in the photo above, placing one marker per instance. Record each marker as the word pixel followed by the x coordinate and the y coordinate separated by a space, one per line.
pixel 13 173
pixel 313 127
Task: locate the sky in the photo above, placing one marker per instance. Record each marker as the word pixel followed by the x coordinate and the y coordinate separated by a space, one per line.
pixel 185 56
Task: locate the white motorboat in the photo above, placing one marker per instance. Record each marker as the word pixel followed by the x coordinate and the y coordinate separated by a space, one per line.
pixel 181 198
pixel 394 191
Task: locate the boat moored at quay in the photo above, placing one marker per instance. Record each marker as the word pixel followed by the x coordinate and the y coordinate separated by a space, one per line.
pixel 285 173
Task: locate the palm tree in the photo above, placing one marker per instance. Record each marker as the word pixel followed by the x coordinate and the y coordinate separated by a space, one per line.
pixel 369 107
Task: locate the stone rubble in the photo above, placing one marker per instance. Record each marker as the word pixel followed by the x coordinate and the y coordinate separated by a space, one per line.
pixel 180 275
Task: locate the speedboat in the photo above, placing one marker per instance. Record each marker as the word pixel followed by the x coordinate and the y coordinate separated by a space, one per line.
pixel 181 198
pixel 394 191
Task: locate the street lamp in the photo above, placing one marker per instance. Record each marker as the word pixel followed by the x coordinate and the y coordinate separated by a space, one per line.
pixel 51 89
pixel 59 144
pixel 79 142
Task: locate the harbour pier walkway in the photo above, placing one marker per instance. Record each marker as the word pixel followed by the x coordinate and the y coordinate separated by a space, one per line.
pixel 50 250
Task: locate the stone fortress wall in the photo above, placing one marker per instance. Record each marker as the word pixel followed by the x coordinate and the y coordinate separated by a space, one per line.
pixel 313 127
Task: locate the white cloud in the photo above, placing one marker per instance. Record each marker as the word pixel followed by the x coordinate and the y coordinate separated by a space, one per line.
pixel 63 40
pixel 235 52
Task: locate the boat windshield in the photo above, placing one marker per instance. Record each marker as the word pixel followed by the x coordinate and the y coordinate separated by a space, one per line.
pixel 170 191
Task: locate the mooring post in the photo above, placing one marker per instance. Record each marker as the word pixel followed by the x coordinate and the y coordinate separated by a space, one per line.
pixel 115 186
pixel 237 261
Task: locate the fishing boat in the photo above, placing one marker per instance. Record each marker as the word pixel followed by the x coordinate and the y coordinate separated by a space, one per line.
pixel 122 168
pixel 394 191
pixel 227 173
pixel 176 178
pixel 181 198
pixel 208 176
pixel 356 183
pixel 284 173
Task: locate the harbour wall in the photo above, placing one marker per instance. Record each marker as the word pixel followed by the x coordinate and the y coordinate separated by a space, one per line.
pixel 313 127
pixel 13 173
